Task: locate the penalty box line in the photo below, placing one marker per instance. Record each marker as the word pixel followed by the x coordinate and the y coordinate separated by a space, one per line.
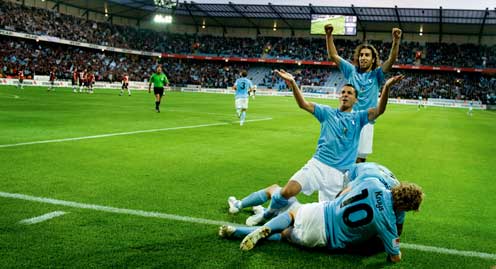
pixel 123 133
pixel 151 214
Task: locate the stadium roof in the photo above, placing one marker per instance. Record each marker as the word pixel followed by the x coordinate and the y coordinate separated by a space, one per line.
pixel 244 14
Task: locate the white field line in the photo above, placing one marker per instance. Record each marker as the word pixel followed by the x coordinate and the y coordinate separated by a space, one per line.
pixel 450 251
pixel 123 133
pixel 42 218
pixel 140 213
pixel 149 214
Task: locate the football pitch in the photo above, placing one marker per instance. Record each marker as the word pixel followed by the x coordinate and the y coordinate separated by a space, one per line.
pixel 104 181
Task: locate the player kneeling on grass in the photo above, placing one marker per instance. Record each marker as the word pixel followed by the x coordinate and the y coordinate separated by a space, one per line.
pixel 363 211
pixel 358 172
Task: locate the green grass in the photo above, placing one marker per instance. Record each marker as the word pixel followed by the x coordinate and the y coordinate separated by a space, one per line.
pixel 191 172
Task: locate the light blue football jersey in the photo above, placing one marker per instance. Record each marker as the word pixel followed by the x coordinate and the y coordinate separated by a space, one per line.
pixel 360 214
pixel 339 134
pixel 374 171
pixel 361 171
pixel 367 84
pixel 242 87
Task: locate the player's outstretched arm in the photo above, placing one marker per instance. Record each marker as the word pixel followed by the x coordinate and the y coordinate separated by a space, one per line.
pixel 395 47
pixel 332 52
pixel 300 100
pixel 375 112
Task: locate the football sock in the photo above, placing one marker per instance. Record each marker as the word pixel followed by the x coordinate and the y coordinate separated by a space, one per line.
pixel 277 202
pixel 255 198
pixel 241 232
pixel 275 237
pixel 279 223
pixel 243 116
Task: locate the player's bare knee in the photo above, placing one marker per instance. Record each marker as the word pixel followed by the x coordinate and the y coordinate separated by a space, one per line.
pixel 271 189
pixel 286 234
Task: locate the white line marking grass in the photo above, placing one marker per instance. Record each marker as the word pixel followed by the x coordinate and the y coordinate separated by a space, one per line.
pixel 42 218
pixel 123 133
pixel 149 214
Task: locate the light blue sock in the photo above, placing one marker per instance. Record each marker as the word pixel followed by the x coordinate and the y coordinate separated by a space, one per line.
pixel 241 232
pixel 278 201
pixel 275 237
pixel 279 223
pixel 256 198
pixel 243 116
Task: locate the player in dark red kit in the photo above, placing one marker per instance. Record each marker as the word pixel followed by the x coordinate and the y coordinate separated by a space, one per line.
pixel 52 79
pixel 20 74
pixel 90 80
pixel 82 79
pixel 125 85
pixel 75 78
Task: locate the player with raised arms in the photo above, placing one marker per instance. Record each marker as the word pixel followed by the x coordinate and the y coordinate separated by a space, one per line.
pixel 366 74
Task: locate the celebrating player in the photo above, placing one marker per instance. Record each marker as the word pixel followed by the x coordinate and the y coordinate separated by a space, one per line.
pixel 358 171
pixel 365 210
pixel 337 145
pixel 366 75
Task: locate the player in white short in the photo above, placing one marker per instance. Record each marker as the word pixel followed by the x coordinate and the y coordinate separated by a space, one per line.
pixel 242 86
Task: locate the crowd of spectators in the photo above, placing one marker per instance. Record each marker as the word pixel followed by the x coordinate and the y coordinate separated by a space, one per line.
pixel 51 23
pixel 39 57
pixel 445 85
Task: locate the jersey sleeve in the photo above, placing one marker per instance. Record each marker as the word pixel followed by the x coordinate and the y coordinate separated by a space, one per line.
pixel 346 68
pixel 321 112
pixel 363 118
pixel 166 80
pixel 389 235
pixel 380 76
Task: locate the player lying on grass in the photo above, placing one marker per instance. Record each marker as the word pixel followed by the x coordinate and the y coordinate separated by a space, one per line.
pixel 336 148
pixel 364 210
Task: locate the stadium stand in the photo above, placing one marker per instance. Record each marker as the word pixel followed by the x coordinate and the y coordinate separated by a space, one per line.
pixel 38 57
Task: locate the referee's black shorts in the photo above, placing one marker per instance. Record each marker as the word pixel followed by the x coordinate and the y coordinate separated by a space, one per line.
pixel 158 90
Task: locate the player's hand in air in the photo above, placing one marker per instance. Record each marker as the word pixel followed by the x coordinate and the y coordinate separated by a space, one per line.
pixel 396 34
pixel 328 29
pixel 393 80
pixel 285 75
